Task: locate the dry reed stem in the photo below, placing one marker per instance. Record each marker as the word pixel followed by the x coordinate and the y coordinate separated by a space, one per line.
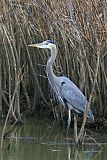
pixel 81 133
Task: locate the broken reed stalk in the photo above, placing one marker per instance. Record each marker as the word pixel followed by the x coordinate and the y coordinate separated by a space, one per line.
pixel 7 117
pixel 82 130
pixel 10 111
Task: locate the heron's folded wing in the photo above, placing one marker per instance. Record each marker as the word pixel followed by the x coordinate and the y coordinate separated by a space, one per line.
pixel 73 96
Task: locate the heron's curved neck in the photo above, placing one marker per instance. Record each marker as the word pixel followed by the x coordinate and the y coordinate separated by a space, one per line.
pixel 50 62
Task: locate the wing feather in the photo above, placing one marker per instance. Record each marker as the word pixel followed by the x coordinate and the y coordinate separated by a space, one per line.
pixel 73 95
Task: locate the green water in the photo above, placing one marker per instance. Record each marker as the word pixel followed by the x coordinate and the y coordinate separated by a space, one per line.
pixel 45 140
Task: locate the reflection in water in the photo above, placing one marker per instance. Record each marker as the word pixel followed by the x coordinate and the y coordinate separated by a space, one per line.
pixel 81 153
pixel 43 140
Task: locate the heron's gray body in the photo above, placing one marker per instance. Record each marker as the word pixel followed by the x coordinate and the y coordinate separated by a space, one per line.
pixel 68 94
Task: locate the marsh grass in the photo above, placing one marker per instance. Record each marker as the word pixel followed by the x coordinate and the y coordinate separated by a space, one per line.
pixel 79 30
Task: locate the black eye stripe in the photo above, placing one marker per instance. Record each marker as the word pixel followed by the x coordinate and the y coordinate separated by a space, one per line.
pixel 50 41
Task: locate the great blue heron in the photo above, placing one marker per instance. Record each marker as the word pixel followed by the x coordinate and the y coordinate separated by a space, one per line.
pixel 68 94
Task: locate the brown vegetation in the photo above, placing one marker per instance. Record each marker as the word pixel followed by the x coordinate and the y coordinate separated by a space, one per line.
pixel 77 27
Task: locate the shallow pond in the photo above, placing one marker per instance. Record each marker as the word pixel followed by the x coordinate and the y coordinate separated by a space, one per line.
pixel 45 140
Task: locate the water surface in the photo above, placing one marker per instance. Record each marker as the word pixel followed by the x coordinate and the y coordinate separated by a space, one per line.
pixel 45 140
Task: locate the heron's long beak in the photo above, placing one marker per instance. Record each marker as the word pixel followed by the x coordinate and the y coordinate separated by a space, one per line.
pixel 39 45
pixel 33 45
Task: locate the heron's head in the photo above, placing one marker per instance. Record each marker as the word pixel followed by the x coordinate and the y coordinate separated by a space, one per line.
pixel 46 44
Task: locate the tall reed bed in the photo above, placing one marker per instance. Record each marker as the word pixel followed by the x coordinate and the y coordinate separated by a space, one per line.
pixel 79 30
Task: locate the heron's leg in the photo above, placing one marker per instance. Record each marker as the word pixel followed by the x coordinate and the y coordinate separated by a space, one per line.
pixel 75 129
pixel 69 118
